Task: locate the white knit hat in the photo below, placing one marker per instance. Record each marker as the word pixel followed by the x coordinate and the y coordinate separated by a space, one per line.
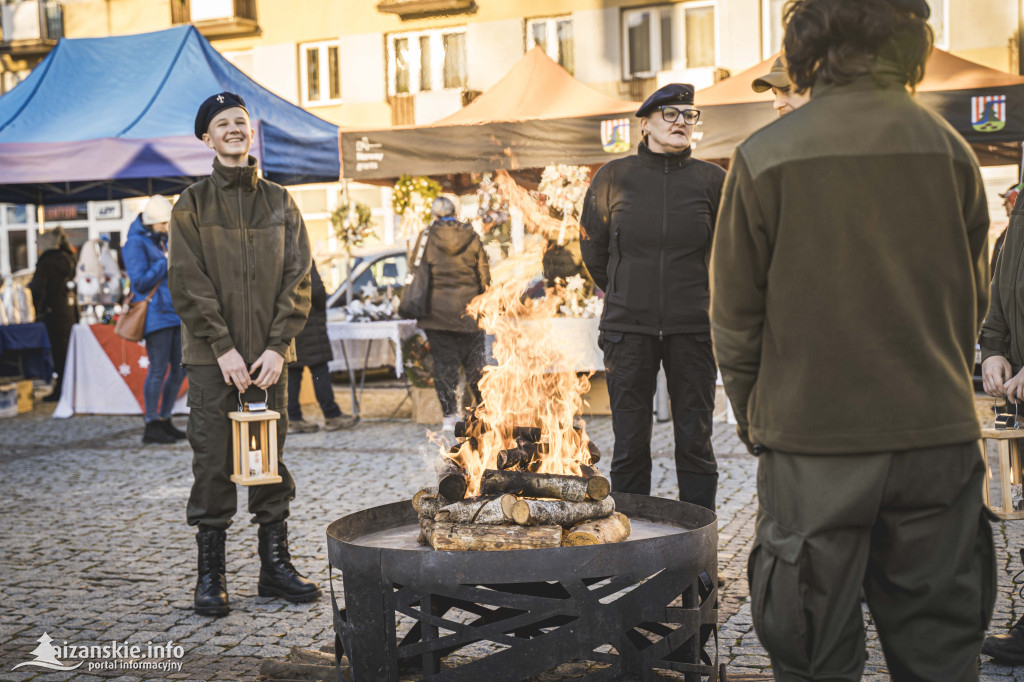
pixel 158 210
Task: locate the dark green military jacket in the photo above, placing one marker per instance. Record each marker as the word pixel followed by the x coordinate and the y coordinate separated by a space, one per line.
pixel 1003 331
pixel 238 267
pixel 849 275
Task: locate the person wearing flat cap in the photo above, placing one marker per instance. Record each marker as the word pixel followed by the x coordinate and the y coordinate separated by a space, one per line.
pixel 849 278
pixel 787 99
pixel 239 279
pixel 648 220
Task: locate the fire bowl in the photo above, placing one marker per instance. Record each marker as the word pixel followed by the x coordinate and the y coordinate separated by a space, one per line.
pixel 631 608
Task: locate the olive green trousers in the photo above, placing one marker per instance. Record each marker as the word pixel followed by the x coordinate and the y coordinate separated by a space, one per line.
pixel 909 527
pixel 213 500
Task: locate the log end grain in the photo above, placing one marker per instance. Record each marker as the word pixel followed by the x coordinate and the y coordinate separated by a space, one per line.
pixel 598 487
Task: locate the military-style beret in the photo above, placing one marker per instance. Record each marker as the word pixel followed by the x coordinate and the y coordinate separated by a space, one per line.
pixel 673 93
pixel 212 106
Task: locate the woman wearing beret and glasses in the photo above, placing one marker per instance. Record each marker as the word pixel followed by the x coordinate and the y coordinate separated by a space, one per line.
pixel 647 224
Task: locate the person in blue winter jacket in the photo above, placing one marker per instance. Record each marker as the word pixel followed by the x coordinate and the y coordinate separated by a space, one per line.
pixel 145 258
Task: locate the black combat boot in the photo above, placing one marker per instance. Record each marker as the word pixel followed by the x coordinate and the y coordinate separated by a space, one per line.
pixel 278 578
pixel 211 595
pixel 1006 649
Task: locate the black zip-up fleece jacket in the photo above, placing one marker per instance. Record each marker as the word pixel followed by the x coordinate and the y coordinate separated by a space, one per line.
pixel 648 221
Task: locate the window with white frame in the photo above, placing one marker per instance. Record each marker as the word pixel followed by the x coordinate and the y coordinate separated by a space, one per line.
pixel 939 22
pixel 773 30
pixel 554 35
pixel 668 38
pixel 422 61
pixel 320 73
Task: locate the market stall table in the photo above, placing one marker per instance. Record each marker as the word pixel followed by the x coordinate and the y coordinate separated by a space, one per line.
pixel 357 347
pixel 25 351
pixel 105 374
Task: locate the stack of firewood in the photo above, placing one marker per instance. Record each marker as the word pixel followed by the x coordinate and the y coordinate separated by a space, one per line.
pixel 518 507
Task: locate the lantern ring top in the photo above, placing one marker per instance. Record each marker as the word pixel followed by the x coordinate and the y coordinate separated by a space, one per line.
pixel 253 407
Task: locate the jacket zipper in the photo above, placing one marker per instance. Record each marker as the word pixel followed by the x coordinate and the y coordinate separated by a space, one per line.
pixel 245 275
pixel 252 260
pixel 664 231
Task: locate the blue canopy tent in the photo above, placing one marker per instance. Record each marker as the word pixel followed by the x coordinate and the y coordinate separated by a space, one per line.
pixel 108 118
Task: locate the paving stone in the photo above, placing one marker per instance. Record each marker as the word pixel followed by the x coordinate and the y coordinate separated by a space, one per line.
pixel 115 560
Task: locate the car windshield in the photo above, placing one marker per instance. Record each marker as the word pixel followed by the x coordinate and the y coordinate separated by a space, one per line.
pixel 383 271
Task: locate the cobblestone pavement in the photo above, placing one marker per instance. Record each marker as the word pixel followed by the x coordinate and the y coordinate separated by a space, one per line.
pixel 95 546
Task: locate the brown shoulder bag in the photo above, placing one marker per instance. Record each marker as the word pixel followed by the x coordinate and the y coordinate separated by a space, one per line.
pixel 131 326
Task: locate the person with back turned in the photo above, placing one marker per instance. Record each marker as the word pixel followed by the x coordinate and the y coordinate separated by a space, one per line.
pixel 849 279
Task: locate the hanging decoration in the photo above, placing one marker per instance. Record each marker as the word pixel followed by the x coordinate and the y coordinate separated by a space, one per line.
pixel 411 200
pixel 353 223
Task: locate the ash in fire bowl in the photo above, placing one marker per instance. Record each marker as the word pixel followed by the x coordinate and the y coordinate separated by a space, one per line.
pixel 518 504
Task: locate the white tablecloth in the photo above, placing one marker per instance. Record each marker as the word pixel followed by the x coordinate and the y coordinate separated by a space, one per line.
pixel 357 336
pixel 94 385
pixel 576 338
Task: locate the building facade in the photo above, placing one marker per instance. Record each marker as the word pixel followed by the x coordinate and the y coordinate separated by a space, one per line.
pixel 362 63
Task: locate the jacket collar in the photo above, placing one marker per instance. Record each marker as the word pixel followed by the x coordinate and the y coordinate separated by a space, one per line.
pixel 243 177
pixel 884 75
pixel 667 161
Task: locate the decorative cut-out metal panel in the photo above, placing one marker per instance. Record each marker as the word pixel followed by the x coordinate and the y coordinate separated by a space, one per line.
pixel 627 609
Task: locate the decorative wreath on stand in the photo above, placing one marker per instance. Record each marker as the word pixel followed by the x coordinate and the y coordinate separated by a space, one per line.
pixel 411 200
pixel 353 224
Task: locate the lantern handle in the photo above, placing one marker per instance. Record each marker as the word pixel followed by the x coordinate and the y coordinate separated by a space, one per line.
pixel 261 407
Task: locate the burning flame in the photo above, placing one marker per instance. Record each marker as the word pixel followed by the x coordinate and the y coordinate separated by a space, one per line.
pixel 533 384
pixel 253 447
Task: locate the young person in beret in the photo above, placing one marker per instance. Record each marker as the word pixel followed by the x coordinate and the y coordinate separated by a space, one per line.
pixel 239 279
pixel 647 221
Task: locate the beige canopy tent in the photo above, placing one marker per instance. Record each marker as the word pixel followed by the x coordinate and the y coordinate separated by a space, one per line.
pixel 985 105
pixel 536 115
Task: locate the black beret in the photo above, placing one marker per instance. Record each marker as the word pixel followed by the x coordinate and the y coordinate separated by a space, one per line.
pixel 673 93
pixel 918 7
pixel 212 106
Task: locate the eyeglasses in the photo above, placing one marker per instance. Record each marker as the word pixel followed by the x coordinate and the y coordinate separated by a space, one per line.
pixel 670 114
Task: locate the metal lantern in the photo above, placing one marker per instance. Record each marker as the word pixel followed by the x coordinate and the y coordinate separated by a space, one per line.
pixel 254 443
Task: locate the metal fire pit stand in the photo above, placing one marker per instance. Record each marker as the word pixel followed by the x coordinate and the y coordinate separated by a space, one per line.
pixel 632 608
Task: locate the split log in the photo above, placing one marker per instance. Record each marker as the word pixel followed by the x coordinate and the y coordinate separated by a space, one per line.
pixel 465 429
pixel 452 480
pixel 426 530
pixel 420 494
pixel 557 486
pixel 487 510
pixel 587 471
pixel 461 537
pixel 595 454
pixel 615 528
pixel 429 505
pixel 560 512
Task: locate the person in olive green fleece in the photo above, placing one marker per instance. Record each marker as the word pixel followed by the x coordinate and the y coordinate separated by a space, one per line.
pixel 1002 369
pixel 848 283
pixel 239 278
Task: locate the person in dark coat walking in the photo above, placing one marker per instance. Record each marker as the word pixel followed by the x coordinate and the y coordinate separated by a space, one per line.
pixel 313 350
pixel 459 272
pixel 145 257
pixel 54 303
pixel 648 221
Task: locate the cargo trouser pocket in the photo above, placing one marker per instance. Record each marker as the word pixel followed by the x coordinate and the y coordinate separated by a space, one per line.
pixel 777 602
pixel 195 395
